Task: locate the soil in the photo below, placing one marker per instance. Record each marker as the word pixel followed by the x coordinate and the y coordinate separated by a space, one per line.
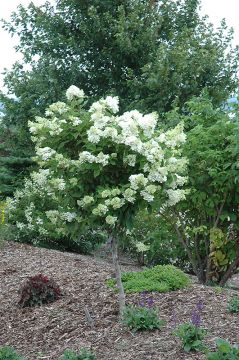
pixel 45 332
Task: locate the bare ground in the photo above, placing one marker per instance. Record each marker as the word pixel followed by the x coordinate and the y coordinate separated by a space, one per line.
pixel 45 332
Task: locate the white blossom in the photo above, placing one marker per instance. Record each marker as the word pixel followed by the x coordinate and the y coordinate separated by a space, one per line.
pixel 74 92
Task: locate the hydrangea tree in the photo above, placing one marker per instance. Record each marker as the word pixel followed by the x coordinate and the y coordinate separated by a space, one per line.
pixel 98 166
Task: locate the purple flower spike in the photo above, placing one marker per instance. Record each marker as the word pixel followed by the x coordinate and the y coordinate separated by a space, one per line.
pixel 150 302
pixel 200 305
pixel 196 319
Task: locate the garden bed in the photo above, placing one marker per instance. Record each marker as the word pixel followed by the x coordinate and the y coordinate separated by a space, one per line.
pixel 45 332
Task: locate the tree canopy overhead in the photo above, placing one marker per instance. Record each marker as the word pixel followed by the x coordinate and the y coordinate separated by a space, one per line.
pixel 152 54
pixel 149 53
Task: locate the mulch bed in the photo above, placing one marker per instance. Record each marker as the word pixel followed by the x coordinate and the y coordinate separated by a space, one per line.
pixel 45 332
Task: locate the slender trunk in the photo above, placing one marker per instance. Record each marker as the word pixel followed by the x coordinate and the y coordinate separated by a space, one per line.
pixel 230 271
pixel 119 284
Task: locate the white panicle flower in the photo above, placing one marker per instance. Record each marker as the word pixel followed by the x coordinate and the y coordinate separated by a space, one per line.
pixel 137 181
pixel 158 175
pixel 116 202
pixel 110 132
pixel 94 134
pixel 39 221
pixel 41 177
pixel 100 210
pixel 97 107
pixel 177 165
pixel 174 196
pixel 129 195
pixel 105 194
pixel 130 160
pixel 86 157
pixel 52 215
pixel 112 103
pixel 45 153
pixel 68 216
pixel 115 192
pixel 75 120
pixel 146 196
pixel 74 92
pixel 58 107
pixel 20 226
pixel 175 136
pixel 87 200
pixel 148 123
pixel 161 138
pixel 58 183
pixel 141 247
pixel 102 159
pixel 111 220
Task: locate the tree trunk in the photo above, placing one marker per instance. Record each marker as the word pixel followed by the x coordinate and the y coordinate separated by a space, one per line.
pixel 119 284
pixel 230 271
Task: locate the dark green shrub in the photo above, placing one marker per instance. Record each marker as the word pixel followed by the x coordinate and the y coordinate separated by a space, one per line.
pixel 233 305
pixel 8 353
pixel 83 354
pixel 163 246
pixel 225 351
pixel 191 336
pixel 141 318
pixel 38 290
pixel 161 278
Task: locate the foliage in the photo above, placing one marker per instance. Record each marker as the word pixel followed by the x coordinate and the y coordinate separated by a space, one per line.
pixel 161 278
pixel 152 240
pixel 8 353
pixel 38 290
pixel 206 222
pixel 96 168
pixel 191 336
pixel 83 354
pixel 141 318
pixel 225 351
pixel 151 56
pixel 233 305
pixel 15 159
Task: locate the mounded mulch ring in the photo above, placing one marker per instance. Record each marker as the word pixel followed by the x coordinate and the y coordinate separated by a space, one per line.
pixel 45 332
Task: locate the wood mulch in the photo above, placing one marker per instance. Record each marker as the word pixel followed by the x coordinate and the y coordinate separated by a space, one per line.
pixel 45 332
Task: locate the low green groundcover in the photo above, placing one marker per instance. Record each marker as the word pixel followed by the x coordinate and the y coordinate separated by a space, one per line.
pixel 161 278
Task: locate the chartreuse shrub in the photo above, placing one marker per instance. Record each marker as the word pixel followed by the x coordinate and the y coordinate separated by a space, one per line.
pixel 225 351
pixel 38 290
pixel 8 353
pixel 83 354
pixel 161 278
pixel 233 305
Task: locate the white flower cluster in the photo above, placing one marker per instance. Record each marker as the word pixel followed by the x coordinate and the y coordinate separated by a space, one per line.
pixel 87 157
pixel 74 92
pixel 137 162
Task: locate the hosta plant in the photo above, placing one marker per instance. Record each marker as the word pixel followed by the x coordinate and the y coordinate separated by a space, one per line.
pixel 38 290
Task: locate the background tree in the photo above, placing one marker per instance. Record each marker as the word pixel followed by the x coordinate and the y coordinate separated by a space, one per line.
pixel 151 56
pixel 206 222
